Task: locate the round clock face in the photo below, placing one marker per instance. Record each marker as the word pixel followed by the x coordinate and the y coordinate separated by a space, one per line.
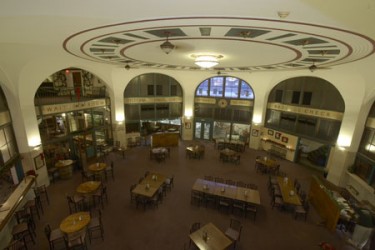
pixel 222 103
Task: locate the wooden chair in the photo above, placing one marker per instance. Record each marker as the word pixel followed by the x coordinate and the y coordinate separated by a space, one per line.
pixel 110 170
pixel 42 192
pixel 132 196
pixel 54 236
pixel 230 182
pixel 194 227
pixel 302 210
pixel 75 203
pixel 95 228
pixel 234 231
pixel 16 245
pixel 23 232
pixel 74 241
pixel 196 198
pixel 252 210
pixel 240 184
pixel 169 184
pixel 33 207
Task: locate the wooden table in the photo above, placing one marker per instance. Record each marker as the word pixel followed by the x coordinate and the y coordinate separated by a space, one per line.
pixel 75 222
pixel 215 240
pixel 97 167
pixel 228 191
pixel 150 185
pixel 88 187
pixel 266 161
pixel 65 168
pixel 288 191
pixel 226 154
pixel 159 153
pixel 195 151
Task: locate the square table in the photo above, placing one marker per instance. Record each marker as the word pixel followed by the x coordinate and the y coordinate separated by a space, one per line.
pixel 227 191
pixel 150 185
pixel 288 191
pixel 215 240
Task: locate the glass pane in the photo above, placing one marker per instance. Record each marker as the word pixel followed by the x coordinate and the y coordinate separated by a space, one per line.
pixel 132 112
pixel 328 130
pixel 242 115
pixel 203 89
pixel 12 148
pixel 202 110
pixel 132 90
pixel 273 118
pixel 223 114
pixel 2 138
pixel 175 109
pixel 231 87
pixel 246 91
pixel 221 130
pixel 198 127
pixel 147 111
pixel 240 132
pixel 162 110
pixel 88 120
pixel 306 125
pixel 5 153
pixel 206 133
pixel 217 84
pixel 8 133
pixel 287 121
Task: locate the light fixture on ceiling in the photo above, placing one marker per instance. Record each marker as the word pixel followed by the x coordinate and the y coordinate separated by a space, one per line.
pixel 167 46
pixel 207 61
pixel 283 14
pixel 313 67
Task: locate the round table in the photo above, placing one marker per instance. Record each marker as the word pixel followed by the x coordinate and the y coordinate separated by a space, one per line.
pixel 88 187
pixel 75 222
pixel 65 168
pixel 97 167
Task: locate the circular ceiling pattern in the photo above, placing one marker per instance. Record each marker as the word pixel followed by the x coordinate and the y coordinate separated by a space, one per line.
pixel 245 44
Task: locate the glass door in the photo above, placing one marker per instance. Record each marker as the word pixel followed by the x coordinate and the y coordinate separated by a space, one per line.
pixel 202 130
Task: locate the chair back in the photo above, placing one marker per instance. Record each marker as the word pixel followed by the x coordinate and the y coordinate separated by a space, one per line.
pixel 235 224
pixel 195 226
pixel 47 231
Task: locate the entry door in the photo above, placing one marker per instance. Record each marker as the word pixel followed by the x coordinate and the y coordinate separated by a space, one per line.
pixel 202 130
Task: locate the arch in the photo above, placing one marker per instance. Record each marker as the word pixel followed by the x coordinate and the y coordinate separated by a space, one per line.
pixel 223 109
pixel 153 102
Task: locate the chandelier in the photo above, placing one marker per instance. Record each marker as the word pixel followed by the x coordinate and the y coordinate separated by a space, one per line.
pixel 207 61
pixel 167 46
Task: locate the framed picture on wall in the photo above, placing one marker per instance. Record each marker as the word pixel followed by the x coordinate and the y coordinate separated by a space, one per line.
pixel 284 139
pixel 270 132
pixel 255 132
pixel 278 135
pixel 187 125
pixel 38 161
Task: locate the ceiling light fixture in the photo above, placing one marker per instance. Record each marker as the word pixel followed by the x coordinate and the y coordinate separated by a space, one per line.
pixel 283 14
pixel 167 46
pixel 207 61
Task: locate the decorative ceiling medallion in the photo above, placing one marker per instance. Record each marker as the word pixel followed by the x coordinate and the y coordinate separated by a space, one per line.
pixel 253 44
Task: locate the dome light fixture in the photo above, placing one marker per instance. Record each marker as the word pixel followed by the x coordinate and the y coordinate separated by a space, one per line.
pixel 167 46
pixel 207 61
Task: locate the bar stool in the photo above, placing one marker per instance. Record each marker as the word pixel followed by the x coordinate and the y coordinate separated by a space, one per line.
pixel 22 231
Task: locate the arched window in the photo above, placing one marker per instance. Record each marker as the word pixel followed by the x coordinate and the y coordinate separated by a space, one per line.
pixel 153 102
pixel 223 108
pixel 309 107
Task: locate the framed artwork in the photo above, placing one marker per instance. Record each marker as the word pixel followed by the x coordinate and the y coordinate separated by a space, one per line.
pixel 188 125
pixel 38 161
pixel 270 132
pixel 278 135
pixel 255 132
pixel 284 139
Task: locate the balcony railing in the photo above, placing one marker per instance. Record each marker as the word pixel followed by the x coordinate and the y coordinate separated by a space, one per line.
pixel 51 95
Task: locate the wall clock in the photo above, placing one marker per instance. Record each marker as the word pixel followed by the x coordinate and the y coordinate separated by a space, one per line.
pixel 222 103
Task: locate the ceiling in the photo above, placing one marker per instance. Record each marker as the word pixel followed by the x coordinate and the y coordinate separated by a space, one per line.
pixel 245 44
pixel 260 38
